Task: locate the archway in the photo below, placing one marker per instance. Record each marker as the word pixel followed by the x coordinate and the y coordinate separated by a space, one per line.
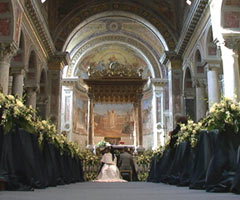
pixel 30 85
pixel 102 39
pixel 200 85
pixel 189 95
pixel 17 69
pixel 42 98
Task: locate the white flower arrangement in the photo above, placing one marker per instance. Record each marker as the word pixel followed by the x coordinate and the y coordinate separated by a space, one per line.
pixel 103 144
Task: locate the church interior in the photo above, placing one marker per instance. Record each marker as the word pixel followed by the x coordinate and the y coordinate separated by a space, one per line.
pixel 119 71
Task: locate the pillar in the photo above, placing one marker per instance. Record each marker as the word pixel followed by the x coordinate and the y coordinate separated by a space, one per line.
pixel 174 65
pixel 67 108
pixel 18 77
pixel 136 141
pixel 213 83
pixel 139 121
pixel 55 66
pixel 231 68
pixel 7 51
pixel 90 141
pixel 201 107
pixel 158 106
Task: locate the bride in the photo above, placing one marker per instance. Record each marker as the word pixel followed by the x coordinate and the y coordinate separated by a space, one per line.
pixel 109 171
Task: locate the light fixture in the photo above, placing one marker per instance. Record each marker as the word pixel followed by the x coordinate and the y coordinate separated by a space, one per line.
pixel 188 2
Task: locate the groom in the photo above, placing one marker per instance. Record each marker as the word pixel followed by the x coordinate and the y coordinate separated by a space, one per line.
pixel 125 162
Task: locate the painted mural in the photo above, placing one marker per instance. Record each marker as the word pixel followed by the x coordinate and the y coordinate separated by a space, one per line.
pixel 147 115
pixel 101 58
pixel 113 120
pixel 80 112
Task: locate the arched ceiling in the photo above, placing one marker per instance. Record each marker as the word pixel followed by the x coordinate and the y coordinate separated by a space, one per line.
pixel 111 25
pixel 132 32
pixel 121 39
pixel 165 15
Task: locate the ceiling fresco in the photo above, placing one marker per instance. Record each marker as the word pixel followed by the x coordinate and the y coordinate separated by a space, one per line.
pixel 164 8
pixel 117 25
pixel 108 53
pixel 164 15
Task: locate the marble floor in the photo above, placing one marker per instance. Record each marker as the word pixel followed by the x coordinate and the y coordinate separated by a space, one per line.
pixel 116 191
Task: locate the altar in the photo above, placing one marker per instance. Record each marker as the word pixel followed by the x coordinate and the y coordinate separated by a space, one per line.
pixel 114 106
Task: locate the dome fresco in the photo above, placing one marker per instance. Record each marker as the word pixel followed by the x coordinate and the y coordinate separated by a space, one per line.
pixel 105 54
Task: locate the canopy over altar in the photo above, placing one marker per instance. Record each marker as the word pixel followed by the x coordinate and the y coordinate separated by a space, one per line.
pixel 116 84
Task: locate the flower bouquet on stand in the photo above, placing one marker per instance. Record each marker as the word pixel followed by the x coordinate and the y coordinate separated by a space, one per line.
pixel 190 132
pixel 224 116
pixel 100 146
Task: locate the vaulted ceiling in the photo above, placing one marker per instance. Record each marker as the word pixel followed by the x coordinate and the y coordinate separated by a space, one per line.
pixel 166 15
pixel 132 32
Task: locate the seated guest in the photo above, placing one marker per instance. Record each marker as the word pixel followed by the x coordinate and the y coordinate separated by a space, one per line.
pixel 126 162
pixel 173 138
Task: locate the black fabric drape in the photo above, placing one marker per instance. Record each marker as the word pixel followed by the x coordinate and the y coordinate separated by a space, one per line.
pixel 223 164
pixel 214 164
pixel 23 166
pixel 236 181
pixel 203 154
pixel 177 165
pixel 159 166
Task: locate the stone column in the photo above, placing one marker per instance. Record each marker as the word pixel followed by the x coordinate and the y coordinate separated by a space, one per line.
pixel 7 51
pixel 32 96
pixel 90 141
pixel 231 67
pixel 18 77
pixel 136 141
pixel 174 64
pixel 158 105
pixel 67 108
pixel 55 66
pixel 139 120
pixel 201 107
pixel 213 83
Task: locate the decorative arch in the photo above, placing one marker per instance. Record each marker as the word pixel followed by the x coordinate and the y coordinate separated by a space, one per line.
pixel 18 60
pixel 189 93
pixel 31 77
pixel 67 26
pixel 122 14
pixel 157 68
pixel 199 68
pixel 42 95
pixel 211 48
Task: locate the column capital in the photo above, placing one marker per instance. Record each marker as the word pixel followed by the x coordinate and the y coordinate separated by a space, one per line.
pixel 90 96
pixel 212 65
pixel 7 51
pixel 58 61
pixel 199 82
pixel 174 58
pixel 232 41
pixel 33 88
pixel 17 70
pixel 69 82
pixel 159 82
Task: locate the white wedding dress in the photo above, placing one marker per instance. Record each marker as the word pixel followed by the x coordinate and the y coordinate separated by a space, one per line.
pixel 109 171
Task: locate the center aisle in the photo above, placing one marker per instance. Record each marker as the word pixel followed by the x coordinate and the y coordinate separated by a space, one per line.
pixel 116 191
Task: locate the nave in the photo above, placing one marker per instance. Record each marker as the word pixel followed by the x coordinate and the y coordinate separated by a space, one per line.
pixel 116 191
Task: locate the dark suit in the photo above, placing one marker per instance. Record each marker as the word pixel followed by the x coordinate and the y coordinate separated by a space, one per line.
pixel 125 162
